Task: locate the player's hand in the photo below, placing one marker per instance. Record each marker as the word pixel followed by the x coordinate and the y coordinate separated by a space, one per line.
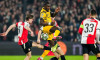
pixel 38 41
pixel 32 33
pixel 3 34
pixel 57 9
pixel 98 42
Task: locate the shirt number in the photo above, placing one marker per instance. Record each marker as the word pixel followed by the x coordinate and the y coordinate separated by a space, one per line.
pixel 89 27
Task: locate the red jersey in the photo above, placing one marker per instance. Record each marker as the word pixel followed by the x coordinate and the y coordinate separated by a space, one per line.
pixel 22 32
pixel 88 30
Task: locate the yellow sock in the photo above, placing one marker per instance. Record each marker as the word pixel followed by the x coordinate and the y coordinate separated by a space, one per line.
pixel 45 53
pixel 57 32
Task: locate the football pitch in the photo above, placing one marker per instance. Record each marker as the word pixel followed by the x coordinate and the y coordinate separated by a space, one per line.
pixel 75 57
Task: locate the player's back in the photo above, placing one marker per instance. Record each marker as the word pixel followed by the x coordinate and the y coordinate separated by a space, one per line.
pixel 89 31
pixel 22 32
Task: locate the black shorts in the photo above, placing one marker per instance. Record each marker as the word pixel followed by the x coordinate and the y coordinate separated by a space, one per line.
pixel 27 46
pixel 90 47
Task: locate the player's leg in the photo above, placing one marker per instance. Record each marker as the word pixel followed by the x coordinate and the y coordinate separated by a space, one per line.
pixel 27 49
pixel 86 56
pixel 61 53
pixel 56 32
pixel 44 54
pixel 28 56
pixel 98 56
pixel 57 56
pixel 95 50
pixel 86 50
pixel 34 44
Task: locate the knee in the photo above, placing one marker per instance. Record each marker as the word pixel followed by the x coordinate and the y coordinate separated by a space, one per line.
pixel 98 55
pixel 58 57
pixel 29 56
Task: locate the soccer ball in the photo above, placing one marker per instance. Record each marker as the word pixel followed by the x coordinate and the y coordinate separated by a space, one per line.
pixel 44 36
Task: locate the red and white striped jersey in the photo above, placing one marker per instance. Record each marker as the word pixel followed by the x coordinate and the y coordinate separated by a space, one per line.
pixel 88 30
pixel 22 32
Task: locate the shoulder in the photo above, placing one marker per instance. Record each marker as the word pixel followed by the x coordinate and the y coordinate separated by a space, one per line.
pixel 42 11
pixel 84 20
pixel 26 23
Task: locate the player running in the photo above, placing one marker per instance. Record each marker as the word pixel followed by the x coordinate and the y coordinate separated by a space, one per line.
pixel 49 28
pixel 23 28
pixel 89 29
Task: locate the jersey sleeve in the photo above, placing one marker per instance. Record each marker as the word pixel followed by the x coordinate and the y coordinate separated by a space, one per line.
pixel 26 24
pixel 81 28
pixel 17 24
pixel 43 15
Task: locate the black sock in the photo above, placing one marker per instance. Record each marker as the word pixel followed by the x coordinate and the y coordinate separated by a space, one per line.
pixel 98 58
pixel 62 57
pixel 46 48
pixel 54 58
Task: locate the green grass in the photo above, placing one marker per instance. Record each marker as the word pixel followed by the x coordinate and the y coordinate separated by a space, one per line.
pixel 46 58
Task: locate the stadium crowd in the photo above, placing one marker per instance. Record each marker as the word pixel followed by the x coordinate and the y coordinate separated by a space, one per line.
pixel 69 18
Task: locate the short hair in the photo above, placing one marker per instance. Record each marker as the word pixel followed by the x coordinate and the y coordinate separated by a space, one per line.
pixel 93 12
pixel 29 16
pixel 46 3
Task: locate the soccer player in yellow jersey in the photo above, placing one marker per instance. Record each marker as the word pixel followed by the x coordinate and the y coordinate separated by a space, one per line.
pixel 49 28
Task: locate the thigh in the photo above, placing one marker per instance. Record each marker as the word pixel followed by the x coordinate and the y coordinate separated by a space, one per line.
pixel 86 49
pixel 94 48
pixel 59 50
pixel 57 55
pixel 27 47
pixel 52 30
pixel 50 36
pixel 46 29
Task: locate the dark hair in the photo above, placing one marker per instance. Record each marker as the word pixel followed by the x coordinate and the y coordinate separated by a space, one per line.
pixel 46 3
pixel 29 16
pixel 93 12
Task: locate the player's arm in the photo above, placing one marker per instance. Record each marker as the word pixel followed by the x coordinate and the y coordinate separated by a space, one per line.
pixel 81 29
pixel 29 29
pixel 42 22
pixel 11 26
pixel 98 33
pixel 53 14
pixel 39 35
pixel 98 36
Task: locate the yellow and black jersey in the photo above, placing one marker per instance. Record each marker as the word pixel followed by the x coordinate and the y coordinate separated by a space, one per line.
pixel 46 15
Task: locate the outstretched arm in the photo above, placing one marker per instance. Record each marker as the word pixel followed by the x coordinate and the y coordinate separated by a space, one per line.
pixel 5 33
pixel 39 35
pixel 53 14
